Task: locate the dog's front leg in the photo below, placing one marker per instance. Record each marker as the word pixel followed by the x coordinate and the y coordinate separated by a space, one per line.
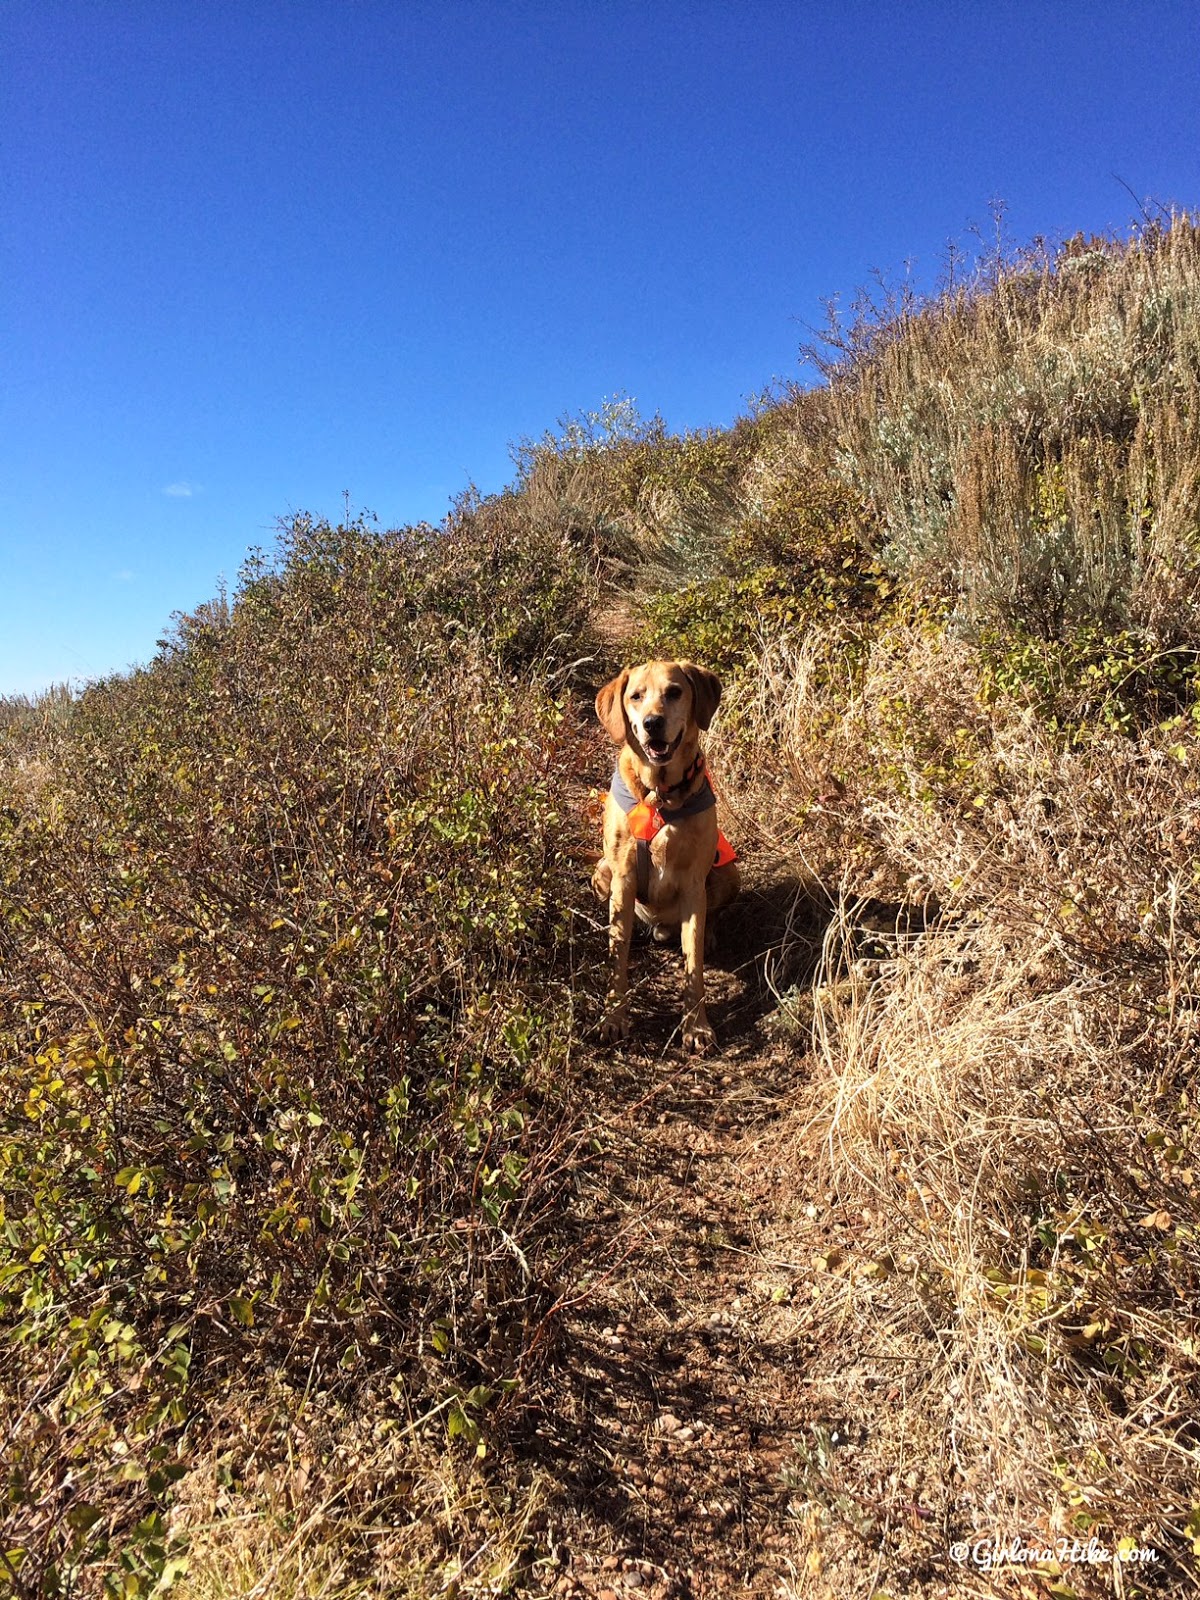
pixel 697 1033
pixel 620 934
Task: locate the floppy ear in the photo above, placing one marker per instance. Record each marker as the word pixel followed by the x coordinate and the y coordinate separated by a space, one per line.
pixel 706 692
pixel 610 708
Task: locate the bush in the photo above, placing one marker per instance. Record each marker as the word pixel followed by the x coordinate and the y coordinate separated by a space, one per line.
pixel 796 556
pixel 1090 681
pixel 281 1006
pixel 626 491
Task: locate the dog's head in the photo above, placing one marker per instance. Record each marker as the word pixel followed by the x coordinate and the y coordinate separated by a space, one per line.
pixel 657 706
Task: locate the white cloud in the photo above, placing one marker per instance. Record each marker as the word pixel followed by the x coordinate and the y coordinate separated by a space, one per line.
pixel 183 490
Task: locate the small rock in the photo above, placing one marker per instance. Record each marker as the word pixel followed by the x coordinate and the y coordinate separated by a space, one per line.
pixel 610 1564
pixel 684 1435
pixel 668 1423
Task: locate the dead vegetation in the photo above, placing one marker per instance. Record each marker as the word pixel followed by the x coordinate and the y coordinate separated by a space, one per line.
pixel 1002 1092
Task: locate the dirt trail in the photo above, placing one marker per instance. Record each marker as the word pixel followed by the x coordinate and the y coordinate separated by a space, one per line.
pixel 678 1399
pixel 697 1400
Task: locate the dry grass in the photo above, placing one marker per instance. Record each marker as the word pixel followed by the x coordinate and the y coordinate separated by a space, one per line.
pixel 1003 1073
pixel 985 793
pixel 402 1519
pixel 1029 441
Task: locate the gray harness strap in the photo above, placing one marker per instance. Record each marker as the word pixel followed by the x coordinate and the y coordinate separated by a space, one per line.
pixel 643 871
pixel 703 800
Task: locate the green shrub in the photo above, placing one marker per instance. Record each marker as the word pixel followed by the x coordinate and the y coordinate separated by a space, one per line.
pixel 795 558
pixel 714 621
pixel 628 492
pixel 1092 680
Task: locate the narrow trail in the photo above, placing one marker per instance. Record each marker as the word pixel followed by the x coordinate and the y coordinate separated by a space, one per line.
pixel 696 1396
pixel 682 1388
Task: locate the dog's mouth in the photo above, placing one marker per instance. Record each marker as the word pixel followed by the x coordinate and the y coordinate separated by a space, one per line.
pixel 660 751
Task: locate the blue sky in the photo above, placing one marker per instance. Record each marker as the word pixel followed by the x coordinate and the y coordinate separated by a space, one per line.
pixel 259 255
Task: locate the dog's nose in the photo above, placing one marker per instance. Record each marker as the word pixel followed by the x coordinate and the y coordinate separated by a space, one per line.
pixel 655 724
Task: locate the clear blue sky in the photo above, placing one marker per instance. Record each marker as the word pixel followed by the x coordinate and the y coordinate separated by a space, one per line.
pixel 258 254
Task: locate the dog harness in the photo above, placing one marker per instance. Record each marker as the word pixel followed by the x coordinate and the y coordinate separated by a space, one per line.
pixel 645 820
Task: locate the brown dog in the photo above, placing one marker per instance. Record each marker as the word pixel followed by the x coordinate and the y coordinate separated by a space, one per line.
pixel 656 713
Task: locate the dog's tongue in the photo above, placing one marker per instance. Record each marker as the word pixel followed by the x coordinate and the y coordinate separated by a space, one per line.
pixel 658 752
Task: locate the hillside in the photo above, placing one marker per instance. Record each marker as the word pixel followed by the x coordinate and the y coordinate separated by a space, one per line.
pixel 339 1259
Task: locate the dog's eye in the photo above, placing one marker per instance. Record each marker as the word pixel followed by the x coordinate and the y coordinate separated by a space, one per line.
pixel 636 697
pixel 674 692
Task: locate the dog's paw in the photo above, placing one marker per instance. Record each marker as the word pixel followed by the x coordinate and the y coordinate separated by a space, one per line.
pixel 698 1036
pixel 615 1027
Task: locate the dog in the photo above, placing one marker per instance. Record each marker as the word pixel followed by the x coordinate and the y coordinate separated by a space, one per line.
pixel 664 859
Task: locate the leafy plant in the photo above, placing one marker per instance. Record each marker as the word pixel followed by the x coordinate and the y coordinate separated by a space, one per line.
pixel 281 1010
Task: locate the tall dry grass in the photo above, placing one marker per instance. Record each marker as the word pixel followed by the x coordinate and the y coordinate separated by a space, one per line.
pixel 1004 1075
pixel 978 770
pixel 1030 441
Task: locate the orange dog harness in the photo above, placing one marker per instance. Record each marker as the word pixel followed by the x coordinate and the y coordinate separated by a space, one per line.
pixel 645 821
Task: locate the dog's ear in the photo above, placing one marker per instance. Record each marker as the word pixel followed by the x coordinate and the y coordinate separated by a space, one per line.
pixel 706 692
pixel 610 708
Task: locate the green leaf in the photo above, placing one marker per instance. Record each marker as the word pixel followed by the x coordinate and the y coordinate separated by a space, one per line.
pixel 82 1517
pixel 243 1310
